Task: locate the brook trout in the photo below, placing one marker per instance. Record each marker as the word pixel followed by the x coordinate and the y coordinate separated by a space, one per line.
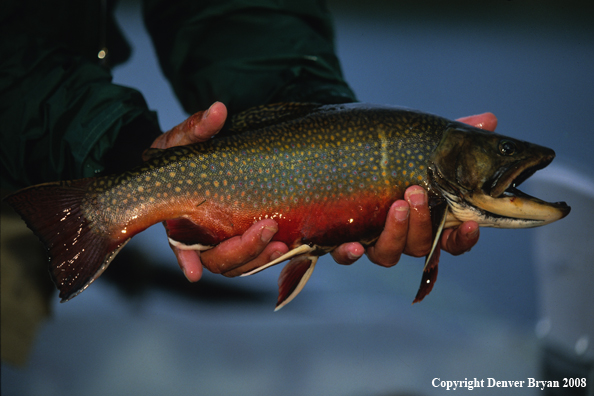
pixel 327 174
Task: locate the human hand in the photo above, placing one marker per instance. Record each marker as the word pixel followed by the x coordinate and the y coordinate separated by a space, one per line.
pixel 408 224
pixel 252 249
pixel 199 127
pixel 407 231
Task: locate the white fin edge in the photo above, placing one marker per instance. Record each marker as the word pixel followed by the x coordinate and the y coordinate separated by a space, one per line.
pixel 302 249
pixel 437 237
pixel 183 246
pixel 302 282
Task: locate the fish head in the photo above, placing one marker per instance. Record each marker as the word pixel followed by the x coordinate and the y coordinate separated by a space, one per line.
pixel 478 173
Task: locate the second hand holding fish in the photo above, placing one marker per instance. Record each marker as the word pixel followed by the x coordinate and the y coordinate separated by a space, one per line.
pixel 410 232
pixel 407 230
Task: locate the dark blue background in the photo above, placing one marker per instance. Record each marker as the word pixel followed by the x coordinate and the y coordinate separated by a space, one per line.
pixel 353 331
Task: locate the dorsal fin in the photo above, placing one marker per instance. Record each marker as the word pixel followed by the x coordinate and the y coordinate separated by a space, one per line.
pixel 151 153
pixel 266 115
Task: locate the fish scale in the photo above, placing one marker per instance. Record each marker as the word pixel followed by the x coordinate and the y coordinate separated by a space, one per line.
pixel 326 174
pixel 288 173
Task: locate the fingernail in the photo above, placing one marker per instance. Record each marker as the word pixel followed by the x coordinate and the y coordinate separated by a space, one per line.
pixel 268 233
pixel 275 255
pixel 353 256
pixel 418 198
pixel 401 213
pixel 207 112
pixel 187 275
pixel 473 234
pixel 190 274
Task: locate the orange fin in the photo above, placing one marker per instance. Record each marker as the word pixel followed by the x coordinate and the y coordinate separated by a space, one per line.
pixel 299 250
pixel 78 253
pixel 429 276
pixel 439 213
pixel 293 278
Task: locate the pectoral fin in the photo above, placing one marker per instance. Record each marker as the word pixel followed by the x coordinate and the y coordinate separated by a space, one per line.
pixel 293 278
pixel 439 214
pixel 429 277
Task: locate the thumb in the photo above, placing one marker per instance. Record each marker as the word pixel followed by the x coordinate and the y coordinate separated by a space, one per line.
pixel 199 127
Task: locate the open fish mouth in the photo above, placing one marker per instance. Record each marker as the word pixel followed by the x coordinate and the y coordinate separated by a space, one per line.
pixel 507 179
pixel 501 204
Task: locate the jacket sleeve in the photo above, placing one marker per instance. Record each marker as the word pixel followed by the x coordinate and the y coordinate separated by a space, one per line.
pixel 246 52
pixel 62 117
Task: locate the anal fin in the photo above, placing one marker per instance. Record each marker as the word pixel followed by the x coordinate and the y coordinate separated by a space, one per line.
pixel 294 277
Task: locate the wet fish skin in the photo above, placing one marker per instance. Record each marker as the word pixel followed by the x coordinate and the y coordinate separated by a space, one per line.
pixel 326 174
pixel 323 184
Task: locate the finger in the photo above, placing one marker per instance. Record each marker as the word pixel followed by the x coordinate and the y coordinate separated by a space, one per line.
pixel 272 251
pixel 486 121
pixel 392 241
pixel 237 251
pixel 418 239
pixel 199 127
pixel 348 253
pixel 460 240
pixel 209 124
pixel 189 262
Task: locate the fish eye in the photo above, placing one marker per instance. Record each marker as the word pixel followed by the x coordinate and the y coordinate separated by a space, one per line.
pixel 507 147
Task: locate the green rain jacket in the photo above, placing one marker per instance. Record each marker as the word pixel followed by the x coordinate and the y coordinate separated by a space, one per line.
pixel 62 118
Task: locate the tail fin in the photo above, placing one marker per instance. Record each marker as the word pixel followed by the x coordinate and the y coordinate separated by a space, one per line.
pixel 78 253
